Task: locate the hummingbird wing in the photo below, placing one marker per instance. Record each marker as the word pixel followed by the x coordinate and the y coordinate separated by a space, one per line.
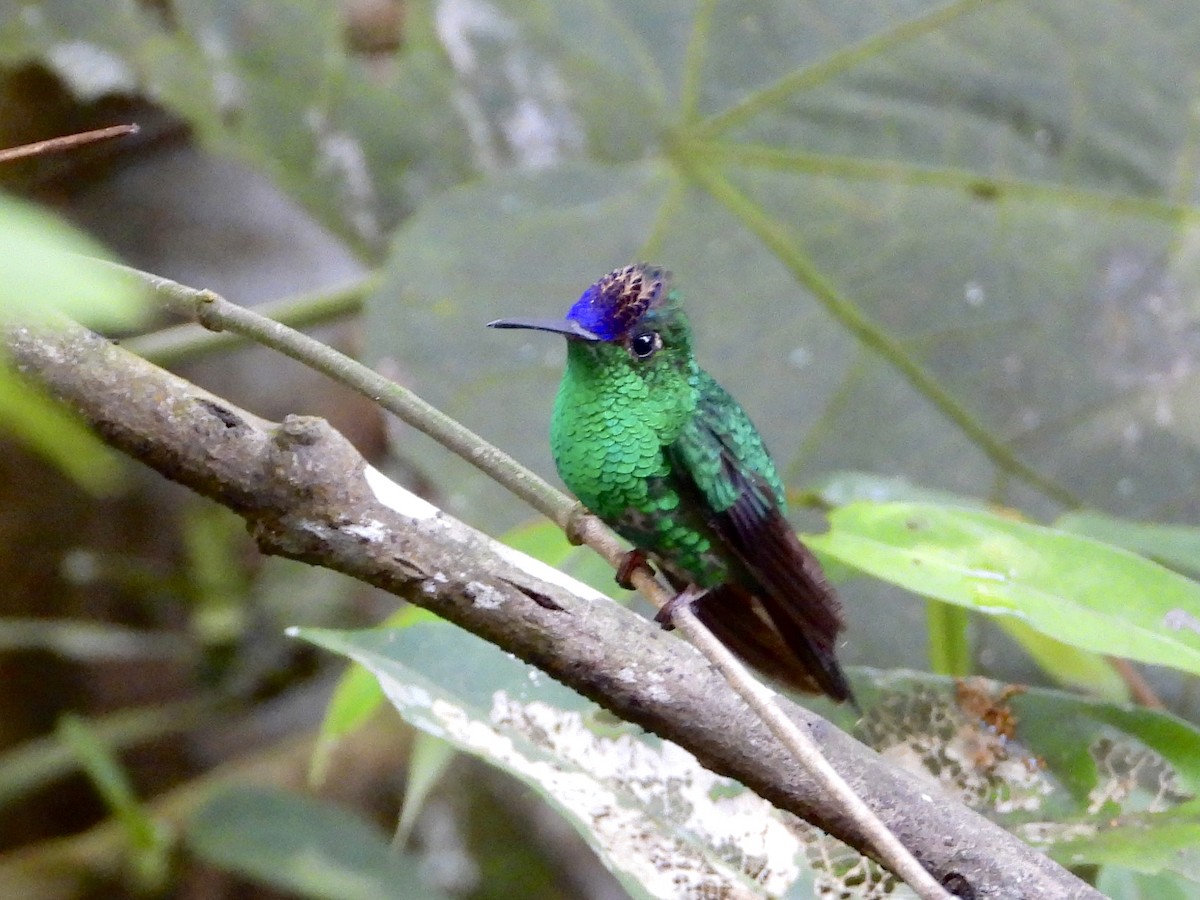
pixel 722 458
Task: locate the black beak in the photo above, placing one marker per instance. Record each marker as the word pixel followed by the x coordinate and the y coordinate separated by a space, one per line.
pixel 568 327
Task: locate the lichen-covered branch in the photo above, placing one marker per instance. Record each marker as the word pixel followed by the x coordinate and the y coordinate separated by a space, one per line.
pixel 308 495
pixel 217 313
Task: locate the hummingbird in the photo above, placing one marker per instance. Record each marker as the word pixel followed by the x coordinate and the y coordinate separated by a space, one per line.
pixel 649 442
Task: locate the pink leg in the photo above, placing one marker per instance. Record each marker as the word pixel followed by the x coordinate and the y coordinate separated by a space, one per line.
pixel 686 597
pixel 633 559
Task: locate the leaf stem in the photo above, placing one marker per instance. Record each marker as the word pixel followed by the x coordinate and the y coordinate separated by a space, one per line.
pixel 182 342
pixel 823 70
pixel 216 313
pixel 949 645
pixel 776 239
pixel 890 171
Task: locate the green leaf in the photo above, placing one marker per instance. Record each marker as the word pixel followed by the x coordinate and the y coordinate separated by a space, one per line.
pixel 635 799
pixel 303 846
pixel 1076 590
pixel 1052 766
pixel 47 270
pixel 57 435
pixel 1088 781
pixel 89 641
pixel 1177 546
pixel 217 582
pixel 949 644
pixel 1159 845
pixel 1067 665
pixel 356 698
pixel 40 761
pixel 427 763
pixel 149 842
pixel 844 488
pixel 1124 884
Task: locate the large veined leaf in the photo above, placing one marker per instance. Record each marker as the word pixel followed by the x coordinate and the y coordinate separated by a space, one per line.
pixel 943 240
pixel 272 82
pixel 1074 589
pixel 1074 776
pixel 948 242
pixel 462 690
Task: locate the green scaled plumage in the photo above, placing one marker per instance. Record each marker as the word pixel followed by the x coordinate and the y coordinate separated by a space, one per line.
pixel 650 443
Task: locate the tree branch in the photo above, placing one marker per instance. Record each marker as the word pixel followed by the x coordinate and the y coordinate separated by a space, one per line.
pixel 215 312
pixel 308 495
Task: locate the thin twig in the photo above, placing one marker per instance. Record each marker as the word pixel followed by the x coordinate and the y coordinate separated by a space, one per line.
pixel 1139 687
pixel 66 142
pixel 182 342
pixel 216 313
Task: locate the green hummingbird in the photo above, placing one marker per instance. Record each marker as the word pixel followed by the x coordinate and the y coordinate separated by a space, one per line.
pixel 650 443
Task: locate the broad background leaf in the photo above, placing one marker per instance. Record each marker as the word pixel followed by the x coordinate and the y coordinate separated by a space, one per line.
pixel 950 243
pixel 269 82
pixel 629 794
pixel 1081 778
pixel 302 845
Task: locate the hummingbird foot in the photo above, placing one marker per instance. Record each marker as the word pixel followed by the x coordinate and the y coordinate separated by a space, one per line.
pixel 632 560
pixel 685 598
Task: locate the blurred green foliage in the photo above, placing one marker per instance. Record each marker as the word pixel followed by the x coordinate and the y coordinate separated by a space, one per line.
pixel 951 245
pixel 47 271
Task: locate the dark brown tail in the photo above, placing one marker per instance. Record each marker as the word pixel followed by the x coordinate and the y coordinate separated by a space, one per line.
pixel 772 642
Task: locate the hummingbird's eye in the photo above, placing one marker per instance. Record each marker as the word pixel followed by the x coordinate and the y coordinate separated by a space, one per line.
pixel 645 344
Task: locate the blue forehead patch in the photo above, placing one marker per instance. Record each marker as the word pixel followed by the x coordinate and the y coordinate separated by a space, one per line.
pixel 614 304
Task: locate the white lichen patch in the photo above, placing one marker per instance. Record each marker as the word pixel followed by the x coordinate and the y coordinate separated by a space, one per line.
pixel 543 572
pixel 650 681
pixel 1179 619
pixel 372 531
pixel 409 505
pixel 397 498
pixel 484 596
pixel 431 585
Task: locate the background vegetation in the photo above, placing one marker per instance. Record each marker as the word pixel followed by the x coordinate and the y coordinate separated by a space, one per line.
pixel 945 253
